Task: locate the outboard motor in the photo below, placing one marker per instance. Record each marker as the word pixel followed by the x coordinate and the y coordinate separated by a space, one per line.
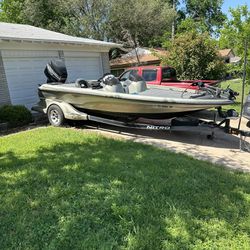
pixel 56 71
pixel 112 84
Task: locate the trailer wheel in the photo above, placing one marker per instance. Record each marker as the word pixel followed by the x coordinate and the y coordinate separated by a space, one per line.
pixel 55 116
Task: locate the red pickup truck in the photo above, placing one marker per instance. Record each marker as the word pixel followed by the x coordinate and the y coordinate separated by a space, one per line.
pixel 163 75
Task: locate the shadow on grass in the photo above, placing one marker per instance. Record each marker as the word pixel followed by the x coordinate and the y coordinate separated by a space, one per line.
pixel 106 194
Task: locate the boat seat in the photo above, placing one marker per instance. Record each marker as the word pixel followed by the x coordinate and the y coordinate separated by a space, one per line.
pixel 132 87
pixel 112 84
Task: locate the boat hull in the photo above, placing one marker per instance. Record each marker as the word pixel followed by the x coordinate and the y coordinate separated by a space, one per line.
pixel 120 105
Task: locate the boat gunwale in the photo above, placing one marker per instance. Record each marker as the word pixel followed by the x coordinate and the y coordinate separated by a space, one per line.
pixel 134 97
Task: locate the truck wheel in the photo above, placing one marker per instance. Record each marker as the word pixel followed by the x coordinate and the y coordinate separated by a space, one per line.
pixel 55 116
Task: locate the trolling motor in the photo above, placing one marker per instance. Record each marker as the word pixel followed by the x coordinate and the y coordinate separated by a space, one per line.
pixel 231 92
pixel 215 91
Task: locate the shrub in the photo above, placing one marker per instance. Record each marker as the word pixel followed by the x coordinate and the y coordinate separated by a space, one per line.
pixel 234 71
pixel 15 115
pixel 195 56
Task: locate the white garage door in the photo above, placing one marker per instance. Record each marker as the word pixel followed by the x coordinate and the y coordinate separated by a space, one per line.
pixel 83 65
pixel 24 71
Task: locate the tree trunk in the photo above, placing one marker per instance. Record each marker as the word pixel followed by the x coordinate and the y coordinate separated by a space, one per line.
pixel 137 57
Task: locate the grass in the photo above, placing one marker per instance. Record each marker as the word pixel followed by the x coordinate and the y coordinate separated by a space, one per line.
pixel 236 85
pixel 67 189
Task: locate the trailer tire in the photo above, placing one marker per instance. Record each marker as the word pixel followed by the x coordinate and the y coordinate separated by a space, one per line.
pixel 55 116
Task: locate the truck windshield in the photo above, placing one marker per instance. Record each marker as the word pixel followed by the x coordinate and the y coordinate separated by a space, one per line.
pixel 168 74
pixel 149 75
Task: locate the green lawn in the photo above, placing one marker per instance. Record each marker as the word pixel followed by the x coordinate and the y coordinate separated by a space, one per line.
pixel 236 85
pixel 67 189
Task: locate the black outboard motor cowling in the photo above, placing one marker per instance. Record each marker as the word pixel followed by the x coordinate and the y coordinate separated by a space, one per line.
pixel 56 71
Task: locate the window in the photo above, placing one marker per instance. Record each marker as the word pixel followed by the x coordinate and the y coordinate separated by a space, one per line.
pixel 149 74
pixel 168 74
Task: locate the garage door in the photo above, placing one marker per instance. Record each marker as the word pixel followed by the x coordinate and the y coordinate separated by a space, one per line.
pixel 83 65
pixel 24 71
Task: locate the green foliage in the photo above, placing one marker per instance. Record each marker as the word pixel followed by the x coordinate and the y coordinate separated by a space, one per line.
pixel 139 22
pixel 92 17
pixel 195 56
pixel 117 20
pixel 206 13
pixel 236 29
pixel 234 70
pixel 191 25
pixel 81 17
pixel 15 115
pixel 235 32
pixel 12 11
pixel 49 14
pixel 70 189
pixel 143 22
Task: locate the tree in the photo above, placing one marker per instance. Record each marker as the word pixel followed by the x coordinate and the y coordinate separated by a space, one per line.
pixel 203 16
pixel 92 16
pixel 236 31
pixel 50 14
pixel 120 20
pixel 195 56
pixel 81 17
pixel 11 11
pixel 137 22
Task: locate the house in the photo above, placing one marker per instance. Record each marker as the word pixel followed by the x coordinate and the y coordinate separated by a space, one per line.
pixel 142 56
pixel 229 56
pixel 25 50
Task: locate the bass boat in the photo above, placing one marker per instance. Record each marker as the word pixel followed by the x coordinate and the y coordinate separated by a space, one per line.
pixel 108 97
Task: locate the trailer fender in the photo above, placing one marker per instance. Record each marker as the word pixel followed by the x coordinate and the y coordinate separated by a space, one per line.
pixel 68 110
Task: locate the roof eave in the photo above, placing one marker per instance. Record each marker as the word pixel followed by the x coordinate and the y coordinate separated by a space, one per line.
pixel 34 40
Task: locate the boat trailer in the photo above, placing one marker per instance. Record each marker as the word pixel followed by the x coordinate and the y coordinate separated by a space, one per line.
pixel 197 122
pixel 184 124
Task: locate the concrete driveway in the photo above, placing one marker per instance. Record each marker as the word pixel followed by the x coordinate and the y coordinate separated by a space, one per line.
pixel 223 149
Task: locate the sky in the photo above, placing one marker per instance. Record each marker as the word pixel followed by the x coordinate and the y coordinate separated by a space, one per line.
pixel 233 4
